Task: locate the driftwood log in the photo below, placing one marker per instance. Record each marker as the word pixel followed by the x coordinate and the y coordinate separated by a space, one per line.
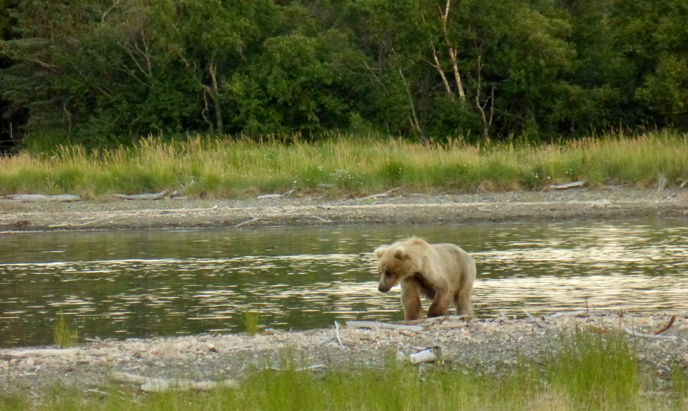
pixel 162 384
pixel 33 198
pixel 149 196
pixel 384 326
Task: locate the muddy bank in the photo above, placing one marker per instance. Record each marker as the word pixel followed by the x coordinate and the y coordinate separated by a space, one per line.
pixel 393 208
pixel 491 346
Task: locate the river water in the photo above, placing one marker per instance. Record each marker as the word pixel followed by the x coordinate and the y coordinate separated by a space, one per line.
pixel 123 284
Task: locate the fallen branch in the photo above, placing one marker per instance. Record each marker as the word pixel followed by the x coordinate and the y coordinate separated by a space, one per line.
pixel 324 220
pixel 28 198
pixel 74 224
pixel 309 368
pixel 336 325
pixel 253 220
pixel 384 326
pixel 273 196
pixel 161 384
pixel 666 327
pixel 41 352
pixel 534 320
pixel 651 336
pixel 385 194
pixel 567 186
pixel 148 196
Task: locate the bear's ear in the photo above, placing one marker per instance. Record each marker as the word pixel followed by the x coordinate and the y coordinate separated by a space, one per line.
pixel 378 252
pixel 400 253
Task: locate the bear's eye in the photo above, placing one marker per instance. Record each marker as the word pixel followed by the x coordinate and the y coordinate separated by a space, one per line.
pixel 388 274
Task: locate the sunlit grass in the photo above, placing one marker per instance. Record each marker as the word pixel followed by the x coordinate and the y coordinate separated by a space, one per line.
pixel 582 372
pixel 340 166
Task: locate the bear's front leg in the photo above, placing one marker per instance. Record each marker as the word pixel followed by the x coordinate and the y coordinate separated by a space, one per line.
pixel 410 298
pixel 439 305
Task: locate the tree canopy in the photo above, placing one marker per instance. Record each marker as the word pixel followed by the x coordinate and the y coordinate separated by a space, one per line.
pixel 107 70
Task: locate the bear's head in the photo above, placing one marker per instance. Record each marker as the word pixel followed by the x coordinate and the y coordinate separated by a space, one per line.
pixel 395 263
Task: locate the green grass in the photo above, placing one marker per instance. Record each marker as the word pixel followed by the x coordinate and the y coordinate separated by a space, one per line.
pixel 584 372
pixel 251 319
pixel 341 166
pixel 65 335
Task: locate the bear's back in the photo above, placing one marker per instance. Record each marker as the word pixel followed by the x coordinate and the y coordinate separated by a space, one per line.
pixel 454 258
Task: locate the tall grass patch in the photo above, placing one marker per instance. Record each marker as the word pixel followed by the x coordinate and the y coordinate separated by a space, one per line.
pixel 581 372
pixel 595 371
pixel 64 333
pixel 343 165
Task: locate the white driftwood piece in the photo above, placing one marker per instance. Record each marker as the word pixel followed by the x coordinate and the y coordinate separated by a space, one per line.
pixel 45 352
pixel 429 355
pixel 161 384
pixel 31 198
pixel 384 326
pixel 385 194
pixel 566 186
pixel 149 196
pixel 651 336
pixel 274 196
pixel 341 344
pixel 309 368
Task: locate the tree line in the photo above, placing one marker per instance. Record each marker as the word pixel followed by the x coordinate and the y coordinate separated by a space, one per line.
pixel 112 70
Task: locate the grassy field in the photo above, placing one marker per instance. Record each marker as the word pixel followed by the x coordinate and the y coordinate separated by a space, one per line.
pixel 206 167
pixel 585 372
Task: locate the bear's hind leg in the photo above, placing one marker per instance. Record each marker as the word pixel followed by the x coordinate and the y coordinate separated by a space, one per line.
pixel 410 298
pixel 439 305
pixel 463 303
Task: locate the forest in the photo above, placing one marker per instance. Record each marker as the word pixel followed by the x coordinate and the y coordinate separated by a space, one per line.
pixel 103 72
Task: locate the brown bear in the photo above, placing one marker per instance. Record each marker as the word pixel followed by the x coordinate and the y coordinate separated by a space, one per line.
pixel 442 272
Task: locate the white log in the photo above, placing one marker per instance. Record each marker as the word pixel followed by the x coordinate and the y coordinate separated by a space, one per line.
pixel 651 336
pixel 341 344
pixel 161 384
pixel 385 194
pixel 149 196
pixel 29 198
pixel 384 326
pixel 429 355
pixel 566 186
pixel 43 352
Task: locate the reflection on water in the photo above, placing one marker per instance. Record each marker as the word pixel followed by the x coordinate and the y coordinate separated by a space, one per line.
pixel 142 284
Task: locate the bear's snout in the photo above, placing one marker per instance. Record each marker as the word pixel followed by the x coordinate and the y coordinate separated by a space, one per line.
pixel 383 288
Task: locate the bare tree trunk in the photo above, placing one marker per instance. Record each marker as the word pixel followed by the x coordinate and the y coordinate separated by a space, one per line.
pixel 452 52
pixel 414 118
pixel 215 95
pixel 481 108
pixel 439 70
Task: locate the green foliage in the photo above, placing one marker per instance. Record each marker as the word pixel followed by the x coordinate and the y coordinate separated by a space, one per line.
pixel 102 73
pixel 595 371
pixel 251 319
pixel 65 335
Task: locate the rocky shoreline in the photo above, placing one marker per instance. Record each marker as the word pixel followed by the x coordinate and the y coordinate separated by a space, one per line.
pixel 491 346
